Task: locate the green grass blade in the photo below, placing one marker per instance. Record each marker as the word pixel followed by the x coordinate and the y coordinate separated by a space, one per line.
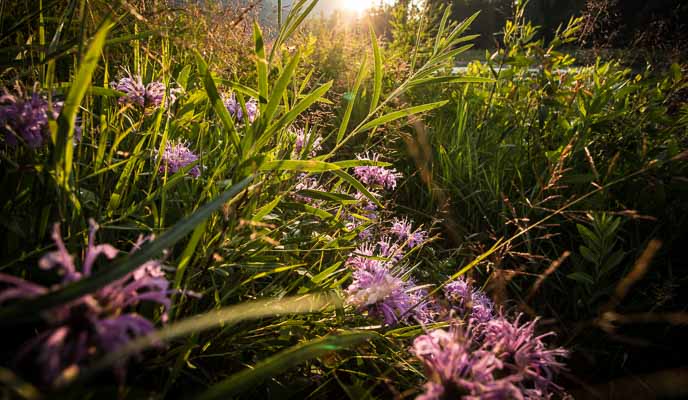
pixel 354 93
pixel 281 86
pixel 298 165
pixel 189 253
pixel 64 147
pixel 237 87
pixel 450 79
pixel 217 103
pixel 226 316
pixel 261 62
pixel 358 185
pixel 393 116
pixel 280 362
pixel 30 310
pixel 266 209
pixel 378 74
pixel 289 117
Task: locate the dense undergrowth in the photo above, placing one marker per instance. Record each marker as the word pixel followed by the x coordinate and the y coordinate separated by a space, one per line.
pixel 194 206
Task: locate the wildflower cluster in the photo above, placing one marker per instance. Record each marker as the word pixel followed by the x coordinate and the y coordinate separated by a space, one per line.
pixel 236 111
pixel 176 156
pixel 305 141
pixel 99 322
pixel 148 97
pixel 378 286
pixel 490 357
pixel 468 302
pixel 24 118
pixel 376 175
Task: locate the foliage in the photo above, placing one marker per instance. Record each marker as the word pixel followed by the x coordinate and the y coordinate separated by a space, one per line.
pixel 310 195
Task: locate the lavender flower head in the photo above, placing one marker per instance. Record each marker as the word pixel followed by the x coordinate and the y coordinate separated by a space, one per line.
pixel 234 108
pixel 133 88
pixel 457 368
pixel 425 310
pixel 101 321
pixel 177 156
pixel 376 290
pixel 25 118
pixel 364 258
pixel 523 353
pixel 375 175
pixel 402 229
pixel 304 140
pixel 472 303
pixel 148 97
pixel 365 203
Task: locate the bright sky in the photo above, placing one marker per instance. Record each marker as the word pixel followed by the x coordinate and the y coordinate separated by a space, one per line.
pixel 361 5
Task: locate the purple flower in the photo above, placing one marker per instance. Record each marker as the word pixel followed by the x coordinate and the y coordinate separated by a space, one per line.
pixel 366 234
pixel 177 156
pixel 523 353
pixel 402 229
pixel 374 175
pixel 365 203
pixel 363 258
pixel 425 310
pixel 416 238
pixel 133 89
pixel 155 93
pixel 306 182
pixel 234 108
pixel 25 119
pixel 390 249
pixel 469 302
pixel 482 309
pixel 148 97
pixel 459 369
pixel 100 321
pixel 303 140
pixel 376 290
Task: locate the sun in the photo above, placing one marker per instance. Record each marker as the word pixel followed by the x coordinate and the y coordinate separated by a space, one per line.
pixel 357 5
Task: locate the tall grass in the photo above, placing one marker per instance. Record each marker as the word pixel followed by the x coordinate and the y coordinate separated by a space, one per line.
pixel 524 179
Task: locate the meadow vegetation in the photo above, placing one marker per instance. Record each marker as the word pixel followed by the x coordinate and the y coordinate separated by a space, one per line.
pixel 202 204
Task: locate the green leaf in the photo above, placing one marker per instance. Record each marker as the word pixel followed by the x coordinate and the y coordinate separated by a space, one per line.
pixel 451 79
pixel 237 87
pixel 216 101
pixel 326 273
pixel 280 87
pixel 29 310
pixel 188 253
pixel 64 146
pixel 581 277
pixel 588 236
pixel 266 209
pixel 322 214
pixel 440 31
pixel 358 185
pixel 612 262
pixel 289 117
pixel 393 116
pixel 298 165
pixel 261 61
pixel 280 362
pixel 378 74
pixel 335 197
pixel 360 163
pixel 350 106
pixel 588 254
